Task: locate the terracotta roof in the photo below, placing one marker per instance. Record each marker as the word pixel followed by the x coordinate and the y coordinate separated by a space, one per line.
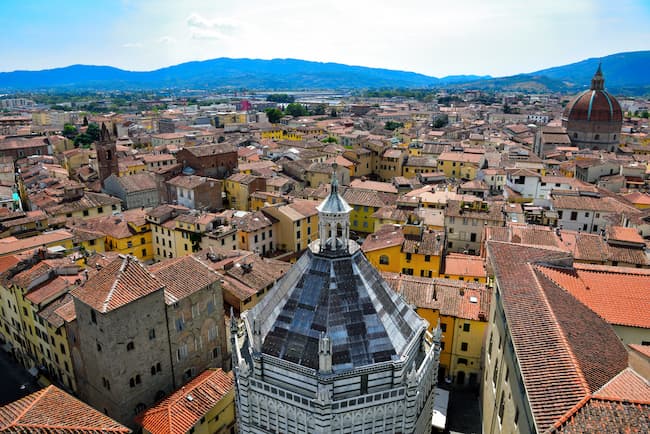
pixel 12 244
pixel 619 295
pixel 628 386
pixel 183 277
pixel 385 187
pixel 449 296
pixel 385 236
pixel 429 243
pixel 190 181
pixel 181 410
pixel 464 265
pixel 560 344
pixel 253 221
pixel 643 349
pixel 371 198
pixel 51 410
pixel 137 182
pixel 120 282
pixel 601 416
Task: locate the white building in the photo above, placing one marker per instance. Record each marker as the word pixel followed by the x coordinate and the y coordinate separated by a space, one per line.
pixel 332 348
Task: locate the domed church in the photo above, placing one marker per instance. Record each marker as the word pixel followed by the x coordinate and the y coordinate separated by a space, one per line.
pixel 332 348
pixel 593 119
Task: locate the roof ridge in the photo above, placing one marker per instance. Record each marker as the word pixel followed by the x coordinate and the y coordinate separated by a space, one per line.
pixel 31 405
pixel 125 260
pixel 75 427
pixel 572 411
pixel 565 340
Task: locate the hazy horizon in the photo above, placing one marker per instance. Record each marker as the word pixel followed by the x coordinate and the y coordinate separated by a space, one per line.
pixel 499 38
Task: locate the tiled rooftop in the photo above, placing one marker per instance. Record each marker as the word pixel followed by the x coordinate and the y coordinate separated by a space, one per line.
pixel 561 345
pixel 120 282
pixel 181 410
pixel 51 410
pixel 619 295
pixel 183 276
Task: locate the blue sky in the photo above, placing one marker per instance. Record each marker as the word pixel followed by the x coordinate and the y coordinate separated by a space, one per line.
pixel 434 37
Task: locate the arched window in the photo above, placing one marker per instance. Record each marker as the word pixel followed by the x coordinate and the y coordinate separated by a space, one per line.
pixel 597 137
pixel 384 260
pixel 130 346
pixel 575 135
pixel 139 408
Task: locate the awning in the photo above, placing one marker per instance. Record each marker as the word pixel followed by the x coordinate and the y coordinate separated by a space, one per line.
pixel 440 403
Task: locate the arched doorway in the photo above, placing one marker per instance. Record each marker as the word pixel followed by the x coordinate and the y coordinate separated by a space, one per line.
pixel 460 378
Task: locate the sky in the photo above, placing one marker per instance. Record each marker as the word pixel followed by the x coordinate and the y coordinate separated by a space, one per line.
pixel 432 37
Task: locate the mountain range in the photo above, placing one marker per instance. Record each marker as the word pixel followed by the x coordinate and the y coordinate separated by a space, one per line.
pixel 624 73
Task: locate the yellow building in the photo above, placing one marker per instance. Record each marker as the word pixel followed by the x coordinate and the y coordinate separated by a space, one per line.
pixel 462 309
pixel 297 224
pixel 130 166
pixel 459 266
pixel 128 233
pixel 406 249
pixel 365 203
pixel 205 405
pixel 89 205
pixel 59 239
pixel 239 187
pixel 32 326
pixel 389 164
pixel 282 134
pixel 464 165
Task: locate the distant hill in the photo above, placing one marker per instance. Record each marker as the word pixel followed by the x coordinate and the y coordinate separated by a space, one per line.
pixel 624 71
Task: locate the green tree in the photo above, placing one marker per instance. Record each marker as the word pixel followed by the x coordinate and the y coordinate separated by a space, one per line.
pixel 296 110
pixel 392 125
pixel 69 131
pixel 319 110
pixel 273 114
pixel 93 132
pixel 330 139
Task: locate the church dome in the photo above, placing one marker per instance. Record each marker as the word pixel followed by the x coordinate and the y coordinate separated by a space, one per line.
pixel 595 104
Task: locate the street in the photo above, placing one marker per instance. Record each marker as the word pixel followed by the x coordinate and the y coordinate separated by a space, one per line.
pixel 12 377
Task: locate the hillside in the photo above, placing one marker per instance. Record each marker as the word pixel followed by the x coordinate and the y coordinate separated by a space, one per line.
pixel 624 73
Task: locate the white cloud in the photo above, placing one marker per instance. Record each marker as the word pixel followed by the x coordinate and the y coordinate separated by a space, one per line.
pixel 166 40
pixel 199 23
pixel 133 45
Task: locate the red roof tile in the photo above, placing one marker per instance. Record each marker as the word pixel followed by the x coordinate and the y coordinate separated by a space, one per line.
pixel 120 282
pixel 51 410
pixel 182 410
pixel 628 386
pixel 183 276
pixel 561 345
pixel 619 295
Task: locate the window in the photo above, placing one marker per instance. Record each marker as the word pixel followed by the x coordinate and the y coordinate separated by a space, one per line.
pixel 383 260
pixel 466 327
pixel 213 333
pixel 574 215
pixel 516 419
pixel 158 367
pixel 463 346
pixel 62 349
pixel 106 384
pixel 153 370
pixel 462 361
pixel 99 347
pixel 495 375
pixel 427 258
pixel 408 256
pixel 443 327
pixel 502 406
pixel 490 344
pixel 210 307
pixel 216 352
pixel 85 213
pixel 181 352
pixel 144 252
pixel 152 334
pixel 130 346
pixel 93 316
pixel 132 382
pixel 180 323
pixel 442 346
pixel 195 310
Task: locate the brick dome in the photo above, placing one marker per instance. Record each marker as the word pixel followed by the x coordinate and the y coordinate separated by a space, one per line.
pixel 594 104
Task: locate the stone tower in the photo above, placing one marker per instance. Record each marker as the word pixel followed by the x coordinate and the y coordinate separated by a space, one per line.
pixel 106 155
pixel 332 348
